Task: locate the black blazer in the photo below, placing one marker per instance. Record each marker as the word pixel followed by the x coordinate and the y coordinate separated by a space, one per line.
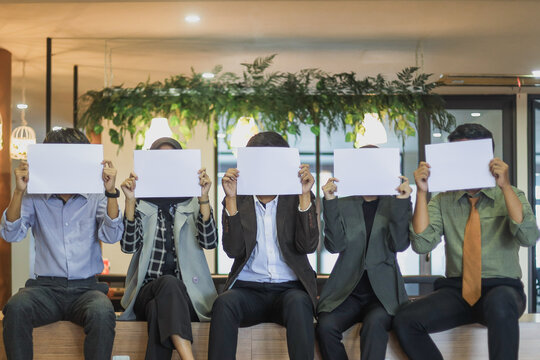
pixel 297 232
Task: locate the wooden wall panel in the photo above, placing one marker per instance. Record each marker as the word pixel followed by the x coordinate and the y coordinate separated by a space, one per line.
pixel 5 170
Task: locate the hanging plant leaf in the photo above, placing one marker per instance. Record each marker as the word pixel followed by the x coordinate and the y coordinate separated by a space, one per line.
pixel 278 101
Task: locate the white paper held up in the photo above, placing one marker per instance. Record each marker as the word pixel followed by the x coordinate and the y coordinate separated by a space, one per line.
pixel 167 173
pixel 65 169
pixel 367 171
pixel 460 165
pixel 268 171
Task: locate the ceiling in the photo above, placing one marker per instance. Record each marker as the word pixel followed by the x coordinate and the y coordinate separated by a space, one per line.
pixel 147 39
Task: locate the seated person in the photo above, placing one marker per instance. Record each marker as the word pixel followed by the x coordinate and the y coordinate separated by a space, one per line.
pixel 67 229
pixel 271 279
pixel 366 283
pixel 168 282
pixel 483 231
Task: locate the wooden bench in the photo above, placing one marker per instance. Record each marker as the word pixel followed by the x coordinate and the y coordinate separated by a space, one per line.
pixel 64 340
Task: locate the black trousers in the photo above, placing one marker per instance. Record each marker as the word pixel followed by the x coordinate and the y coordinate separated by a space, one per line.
pixel 165 305
pixel 499 309
pixel 251 303
pixel 47 300
pixel 376 323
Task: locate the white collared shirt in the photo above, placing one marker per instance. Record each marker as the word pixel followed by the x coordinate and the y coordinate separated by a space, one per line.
pixel 266 263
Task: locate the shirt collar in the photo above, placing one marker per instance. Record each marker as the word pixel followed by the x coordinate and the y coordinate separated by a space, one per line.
pixel 48 196
pixel 258 203
pixel 488 192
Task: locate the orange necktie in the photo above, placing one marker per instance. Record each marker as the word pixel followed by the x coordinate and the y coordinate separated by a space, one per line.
pixel 472 256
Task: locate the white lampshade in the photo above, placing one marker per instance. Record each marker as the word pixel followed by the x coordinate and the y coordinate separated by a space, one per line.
pixel 374 134
pixel 243 131
pixel 159 127
pixel 21 137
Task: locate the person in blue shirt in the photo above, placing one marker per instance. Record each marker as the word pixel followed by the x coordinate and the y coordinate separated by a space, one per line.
pixel 67 229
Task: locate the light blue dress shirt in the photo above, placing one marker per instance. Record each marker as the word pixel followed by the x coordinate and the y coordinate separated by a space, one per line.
pixel 66 235
pixel 266 263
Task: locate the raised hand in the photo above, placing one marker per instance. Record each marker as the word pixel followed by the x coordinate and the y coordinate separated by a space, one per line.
pixel 306 178
pixel 499 170
pixel 128 186
pixel 204 182
pixel 229 182
pixel 109 176
pixel 330 188
pixel 21 176
pixel 421 176
pixel 404 189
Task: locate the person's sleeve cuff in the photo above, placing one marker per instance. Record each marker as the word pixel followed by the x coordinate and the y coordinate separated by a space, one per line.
pixel 227 212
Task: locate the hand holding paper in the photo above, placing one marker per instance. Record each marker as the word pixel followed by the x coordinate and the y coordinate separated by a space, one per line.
pixel 330 188
pixel 21 176
pixel 109 176
pixel 499 170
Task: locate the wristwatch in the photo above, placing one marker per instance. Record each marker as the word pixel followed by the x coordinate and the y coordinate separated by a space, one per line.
pixel 115 194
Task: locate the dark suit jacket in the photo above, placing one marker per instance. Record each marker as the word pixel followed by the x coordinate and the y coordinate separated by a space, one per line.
pixel 345 233
pixel 297 232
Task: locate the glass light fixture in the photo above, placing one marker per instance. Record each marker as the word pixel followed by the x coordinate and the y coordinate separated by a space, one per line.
pixel 208 75
pixel 374 133
pixel 243 131
pixel 23 135
pixel 192 18
pixel 159 127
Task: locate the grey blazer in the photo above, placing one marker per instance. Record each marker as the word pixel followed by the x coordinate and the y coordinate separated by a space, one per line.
pixel 191 259
pixel 345 233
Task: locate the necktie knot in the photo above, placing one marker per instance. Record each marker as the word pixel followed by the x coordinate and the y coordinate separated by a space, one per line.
pixel 473 201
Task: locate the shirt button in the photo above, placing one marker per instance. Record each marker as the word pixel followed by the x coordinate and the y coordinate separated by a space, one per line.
pixel 195 280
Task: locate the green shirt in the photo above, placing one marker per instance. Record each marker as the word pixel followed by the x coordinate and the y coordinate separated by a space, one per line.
pixel 501 236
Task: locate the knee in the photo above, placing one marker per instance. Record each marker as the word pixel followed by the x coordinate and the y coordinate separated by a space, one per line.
pixel 170 284
pixel 100 313
pixel 377 320
pixel 326 327
pixel 502 305
pixel 225 305
pixel 403 322
pixel 18 307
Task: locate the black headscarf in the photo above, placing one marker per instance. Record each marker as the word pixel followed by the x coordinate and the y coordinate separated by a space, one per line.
pixel 166 203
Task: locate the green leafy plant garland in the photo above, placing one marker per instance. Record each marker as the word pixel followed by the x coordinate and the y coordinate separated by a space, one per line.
pixel 278 101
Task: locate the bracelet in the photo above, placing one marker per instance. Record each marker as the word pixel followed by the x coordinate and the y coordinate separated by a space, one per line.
pixel 114 195
pixel 204 202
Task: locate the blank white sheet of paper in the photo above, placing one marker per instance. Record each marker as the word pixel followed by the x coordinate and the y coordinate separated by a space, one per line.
pixel 368 171
pixel 460 165
pixel 167 173
pixel 268 171
pixel 65 169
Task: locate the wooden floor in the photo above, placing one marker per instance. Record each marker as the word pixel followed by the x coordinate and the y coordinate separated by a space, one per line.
pixel 64 340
